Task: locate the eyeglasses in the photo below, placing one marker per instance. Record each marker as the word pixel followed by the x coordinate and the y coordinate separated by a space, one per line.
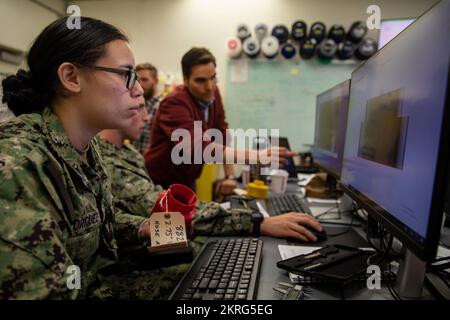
pixel 131 75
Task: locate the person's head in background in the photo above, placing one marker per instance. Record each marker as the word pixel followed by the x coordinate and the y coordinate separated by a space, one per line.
pixel 134 131
pixel 148 79
pixel 199 73
pixel 65 73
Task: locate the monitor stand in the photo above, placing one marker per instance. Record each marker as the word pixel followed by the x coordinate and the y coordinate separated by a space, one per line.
pixel 331 184
pixel 411 276
pixel 346 204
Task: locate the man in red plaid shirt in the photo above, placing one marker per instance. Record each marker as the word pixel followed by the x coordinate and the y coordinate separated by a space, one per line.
pixel 148 79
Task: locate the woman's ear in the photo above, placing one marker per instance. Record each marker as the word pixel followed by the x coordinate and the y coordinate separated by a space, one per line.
pixel 69 78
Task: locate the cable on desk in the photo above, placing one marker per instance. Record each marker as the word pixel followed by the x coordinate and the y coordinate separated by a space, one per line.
pixel 336 199
pixel 329 211
pixel 349 225
pixel 369 240
pixel 385 242
pixel 390 286
pixel 339 212
pixel 387 256
pixel 346 224
pixel 343 232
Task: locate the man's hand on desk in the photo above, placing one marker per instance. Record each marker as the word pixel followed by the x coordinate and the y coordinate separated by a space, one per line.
pixel 290 225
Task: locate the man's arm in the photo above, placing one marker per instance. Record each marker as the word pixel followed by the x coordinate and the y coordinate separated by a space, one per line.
pixel 228 185
pixel 212 220
pixel 228 170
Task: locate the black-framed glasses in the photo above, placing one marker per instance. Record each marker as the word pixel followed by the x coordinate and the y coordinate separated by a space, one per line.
pixel 131 75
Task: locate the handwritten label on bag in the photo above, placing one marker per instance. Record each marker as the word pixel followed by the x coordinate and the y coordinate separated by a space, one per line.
pixel 167 230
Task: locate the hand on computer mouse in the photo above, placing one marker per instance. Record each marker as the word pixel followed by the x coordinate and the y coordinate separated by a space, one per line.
pixel 291 225
pixel 320 235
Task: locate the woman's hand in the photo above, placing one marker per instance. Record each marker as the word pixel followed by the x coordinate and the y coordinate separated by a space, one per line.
pixel 290 225
pixel 144 230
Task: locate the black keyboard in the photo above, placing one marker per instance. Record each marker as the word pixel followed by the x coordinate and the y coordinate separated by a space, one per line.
pixel 224 270
pixel 287 203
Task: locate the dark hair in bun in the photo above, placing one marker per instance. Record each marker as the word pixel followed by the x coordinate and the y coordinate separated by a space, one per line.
pixel 30 91
pixel 20 95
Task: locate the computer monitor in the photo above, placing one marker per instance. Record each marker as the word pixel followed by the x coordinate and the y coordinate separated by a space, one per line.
pixel 390 28
pixel 396 147
pixel 331 124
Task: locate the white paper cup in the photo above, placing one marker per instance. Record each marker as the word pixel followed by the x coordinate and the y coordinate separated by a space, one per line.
pixel 245 175
pixel 279 180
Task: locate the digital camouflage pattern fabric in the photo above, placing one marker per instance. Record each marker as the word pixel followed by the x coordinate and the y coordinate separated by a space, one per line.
pixel 55 211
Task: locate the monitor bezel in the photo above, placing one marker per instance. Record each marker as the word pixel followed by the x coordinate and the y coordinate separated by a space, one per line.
pixel 335 173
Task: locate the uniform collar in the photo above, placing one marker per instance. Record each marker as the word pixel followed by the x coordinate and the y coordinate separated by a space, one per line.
pixel 60 142
pixel 127 153
pixel 58 136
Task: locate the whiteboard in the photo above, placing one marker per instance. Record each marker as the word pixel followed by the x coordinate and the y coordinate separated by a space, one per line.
pixel 281 94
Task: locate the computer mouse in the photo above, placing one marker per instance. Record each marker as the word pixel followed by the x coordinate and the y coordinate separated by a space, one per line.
pixel 320 235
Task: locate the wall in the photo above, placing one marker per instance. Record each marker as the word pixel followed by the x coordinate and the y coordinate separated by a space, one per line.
pixel 21 21
pixel 163 30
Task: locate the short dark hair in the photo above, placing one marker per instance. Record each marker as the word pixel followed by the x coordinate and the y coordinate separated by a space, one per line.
pixel 148 66
pixel 195 57
pixel 31 91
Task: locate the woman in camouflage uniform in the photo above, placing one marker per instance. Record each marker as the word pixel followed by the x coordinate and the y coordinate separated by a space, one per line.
pixel 55 204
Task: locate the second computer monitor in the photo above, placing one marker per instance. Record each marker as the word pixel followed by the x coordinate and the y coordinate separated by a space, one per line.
pixel 390 28
pixel 331 123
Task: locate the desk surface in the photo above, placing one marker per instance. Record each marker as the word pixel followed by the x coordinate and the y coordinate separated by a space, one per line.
pixel 271 275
